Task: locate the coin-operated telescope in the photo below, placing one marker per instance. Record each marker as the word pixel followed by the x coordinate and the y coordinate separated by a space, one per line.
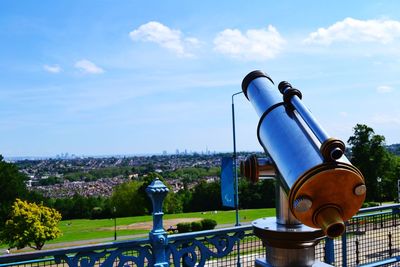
pixel 317 187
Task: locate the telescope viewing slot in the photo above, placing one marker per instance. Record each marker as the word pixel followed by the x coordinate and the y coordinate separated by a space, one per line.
pixel 330 221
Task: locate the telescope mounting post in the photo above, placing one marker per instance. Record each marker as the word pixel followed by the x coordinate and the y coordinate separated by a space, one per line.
pixel 288 242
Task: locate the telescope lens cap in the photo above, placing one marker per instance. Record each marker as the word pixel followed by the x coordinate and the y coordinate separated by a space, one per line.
pixel 250 77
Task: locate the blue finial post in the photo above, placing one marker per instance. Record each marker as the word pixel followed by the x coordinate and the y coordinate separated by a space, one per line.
pixel 157 191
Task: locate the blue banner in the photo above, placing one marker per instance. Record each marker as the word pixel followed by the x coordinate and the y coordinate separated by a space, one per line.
pixel 227 183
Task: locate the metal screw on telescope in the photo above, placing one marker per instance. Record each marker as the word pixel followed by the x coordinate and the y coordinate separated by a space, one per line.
pixel 360 190
pixel 302 204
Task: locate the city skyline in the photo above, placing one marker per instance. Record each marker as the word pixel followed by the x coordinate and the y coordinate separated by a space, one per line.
pixel 100 78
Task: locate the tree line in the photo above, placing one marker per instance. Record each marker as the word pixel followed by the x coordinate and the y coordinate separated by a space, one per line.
pixel 130 199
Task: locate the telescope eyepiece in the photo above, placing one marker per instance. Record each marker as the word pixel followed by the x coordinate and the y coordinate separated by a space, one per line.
pixel 335 230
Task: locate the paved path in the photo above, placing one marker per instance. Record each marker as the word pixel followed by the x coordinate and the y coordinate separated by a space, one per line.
pixel 77 243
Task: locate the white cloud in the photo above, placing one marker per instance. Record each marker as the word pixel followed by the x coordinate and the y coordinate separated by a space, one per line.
pixel 356 31
pixel 254 44
pixel 165 37
pixel 384 89
pixel 390 119
pixel 87 66
pixel 52 69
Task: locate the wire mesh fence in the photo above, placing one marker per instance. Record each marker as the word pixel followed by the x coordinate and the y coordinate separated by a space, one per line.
pixel 370 238
pixel 320 251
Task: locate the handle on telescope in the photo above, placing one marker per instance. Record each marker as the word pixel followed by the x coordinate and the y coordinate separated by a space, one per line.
pixel 331 148
pixel 254 169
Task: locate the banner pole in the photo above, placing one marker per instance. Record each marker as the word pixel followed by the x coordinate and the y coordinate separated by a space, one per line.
pixel 235 160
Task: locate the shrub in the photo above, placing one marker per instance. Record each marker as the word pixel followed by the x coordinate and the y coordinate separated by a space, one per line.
pixel 197 226
pixel 184 227
pixel 374 204
pixel 365 205
pixel 96 213
pixel 370 204
pixel 208 224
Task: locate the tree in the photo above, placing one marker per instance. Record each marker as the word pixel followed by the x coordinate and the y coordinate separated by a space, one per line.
pixel 131 199
pixel 30 225
pixel 12 184
pixel 369 155
pixel 185 197
pixel 258 195
pixel 172 203
pixel 127 200
pixel 206 196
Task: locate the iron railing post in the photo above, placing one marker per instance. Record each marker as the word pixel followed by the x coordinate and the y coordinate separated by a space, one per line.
pixel 357 251
pixel 157 191
pixel 329 251
pixel 344 249
pixel 390 244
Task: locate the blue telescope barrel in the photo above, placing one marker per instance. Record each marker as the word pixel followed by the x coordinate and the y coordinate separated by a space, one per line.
pixel 323 188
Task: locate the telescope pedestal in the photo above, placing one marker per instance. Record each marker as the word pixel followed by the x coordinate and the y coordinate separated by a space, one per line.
pixel 287 245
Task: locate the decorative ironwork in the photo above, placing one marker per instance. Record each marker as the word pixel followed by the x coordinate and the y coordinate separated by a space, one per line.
pixel 157 191
pixel 84 259
pixel 139 255
pixel 193 251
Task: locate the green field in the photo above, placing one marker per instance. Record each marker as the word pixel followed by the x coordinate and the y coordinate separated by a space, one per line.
pixel 77 230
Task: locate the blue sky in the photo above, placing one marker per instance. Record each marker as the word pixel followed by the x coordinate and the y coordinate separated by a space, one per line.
pixel 133 77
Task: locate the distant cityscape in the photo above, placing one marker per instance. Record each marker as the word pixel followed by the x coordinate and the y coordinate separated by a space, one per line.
pixel 67 155
pixel 67 175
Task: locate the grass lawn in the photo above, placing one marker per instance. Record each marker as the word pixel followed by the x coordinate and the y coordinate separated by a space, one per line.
pixel 75 230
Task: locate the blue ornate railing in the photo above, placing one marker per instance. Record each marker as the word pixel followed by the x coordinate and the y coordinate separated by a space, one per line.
pixel 196 248
pixel 191 249
pixel 372 239
pixel 138 252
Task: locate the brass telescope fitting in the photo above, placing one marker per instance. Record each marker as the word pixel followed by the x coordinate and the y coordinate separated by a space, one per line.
pixel 330 221
pixel 335 191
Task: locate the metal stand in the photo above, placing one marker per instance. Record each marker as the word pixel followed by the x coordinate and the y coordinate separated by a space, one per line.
pixel 287 241
pixel 261 263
